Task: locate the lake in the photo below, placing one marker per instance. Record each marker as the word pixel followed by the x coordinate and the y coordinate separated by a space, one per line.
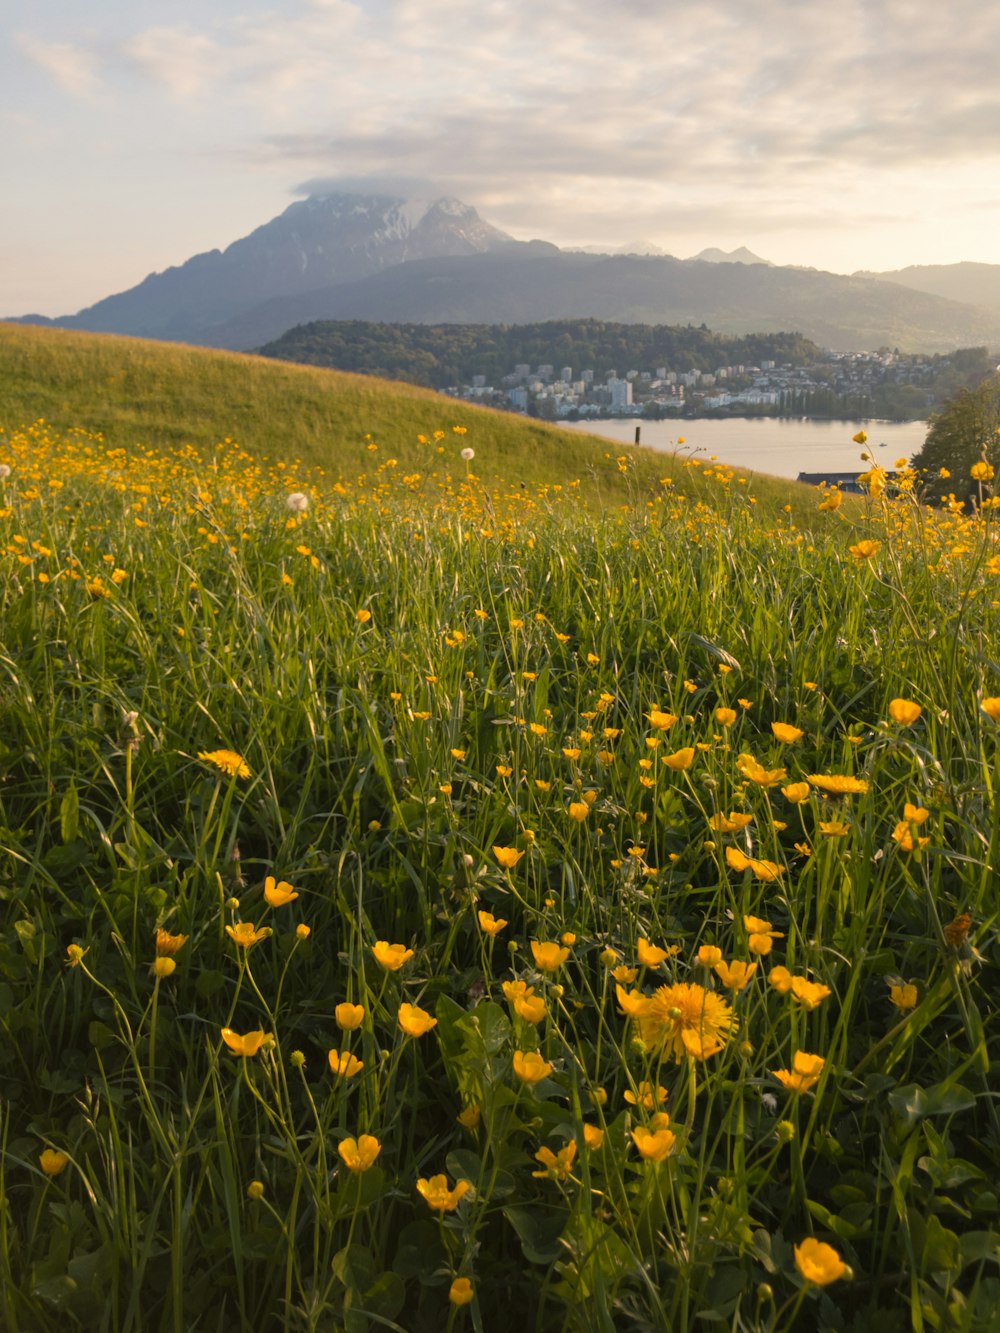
pixel 778 446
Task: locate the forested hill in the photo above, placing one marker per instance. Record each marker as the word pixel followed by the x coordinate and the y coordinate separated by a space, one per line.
pixel 441 355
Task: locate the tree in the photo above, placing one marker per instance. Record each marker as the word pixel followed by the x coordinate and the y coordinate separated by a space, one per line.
pixel 964 431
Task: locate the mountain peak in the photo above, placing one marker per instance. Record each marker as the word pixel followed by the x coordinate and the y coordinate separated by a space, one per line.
pixel 713 255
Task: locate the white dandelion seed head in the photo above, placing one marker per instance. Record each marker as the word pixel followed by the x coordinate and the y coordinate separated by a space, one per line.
pixel 4 471
pixel 468 454
pixel 298 502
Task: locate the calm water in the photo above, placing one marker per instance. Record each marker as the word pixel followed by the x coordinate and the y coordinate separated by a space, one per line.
pixel 765 444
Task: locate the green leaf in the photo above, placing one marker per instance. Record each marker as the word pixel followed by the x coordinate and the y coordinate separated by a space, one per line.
pixel 69 813
pixel 538 1232
pixel 912 1103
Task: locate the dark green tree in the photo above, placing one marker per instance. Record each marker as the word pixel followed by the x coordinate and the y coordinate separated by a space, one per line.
pixel 963 432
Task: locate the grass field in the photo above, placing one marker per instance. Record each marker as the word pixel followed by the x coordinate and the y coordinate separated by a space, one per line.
pixel 431 900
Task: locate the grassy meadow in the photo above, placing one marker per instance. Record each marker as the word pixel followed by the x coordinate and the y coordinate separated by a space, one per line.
pixel 440 890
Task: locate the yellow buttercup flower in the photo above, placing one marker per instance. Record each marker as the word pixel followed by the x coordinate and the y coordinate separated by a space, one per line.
pixel 461 1292
pixel 578 810
pixel 768 871
pixel 786 733
pixel 278 893
pixel 359 1154
pixel 415 1021
pixel 163 967
pixel 725 716
pixel 530 1007
pixel 819 1263
pixel 248 1044
pixel 761 933
pixel 167 944
pixel 808 993
pixel 530 1067
pixel 804 1074
pixel 736 974
pixel 991 707
pixel 557 1165
pixel 866 549
pixel 343 1064
pixel 508 857
pixel 903 996
pixel 757 773
pixel 52 1161
pixel 730 823
pixel 654 1144
pixel 709 955
pixel 349 1016
pixel 593 1137
pixel 549 957
pixel 904 711
pixel 226 761
pixel 661 721
pixel 439 1197
pixel 244 934
pixel 649 954
pixel 680 759
pixel 796 792
pixel 390 956
pixel 648 1096
pixel 489 924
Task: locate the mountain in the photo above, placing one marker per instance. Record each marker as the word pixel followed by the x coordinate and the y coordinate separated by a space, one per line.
pixel 530 283
pixel 340 256
pixel 713 255
pixel 976 284
pixel 313 244
pixel 629 248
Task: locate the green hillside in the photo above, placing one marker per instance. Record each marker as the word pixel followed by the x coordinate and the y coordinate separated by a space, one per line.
pixel 164 395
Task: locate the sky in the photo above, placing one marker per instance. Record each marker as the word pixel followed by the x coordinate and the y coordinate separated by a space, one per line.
pixel 136 133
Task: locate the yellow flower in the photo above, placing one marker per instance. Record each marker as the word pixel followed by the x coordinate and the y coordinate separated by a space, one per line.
pixel 360 1153
pixel 390 956
pixel 762 934
pixel 735 975
pixel 904 711
pixel 981 471
pixel 808 993
pixel 804 1074
pixel 349 1016
pixel 837 784
pixel 549 957
pixel 654 1145
pixel 52 1161
pixel 362 616
pixel 593 1137
pixel 819 1263
pixel 244 934
pixel 578 810
pixel 991 707
pixel 508 857
pixel 768 871
pixel 439 1197
pixel 650 955
pixel 557 1165
pixel 343 1064
pixel 530 1007
pixel 625 975
pixel 470 1116
pixel 302 931
pixel 530 1067
pixel 248 1044
pixel 730 823
pixel 903 996
pixel 865 549
pixel 255 1190
pixel 163 967
pixel 461 1292
pixel 755 772
pixel 226 761
pixel 834 828
pixel 167 944
pixel 781 979
pixel 647 1096
pixel 491 925
pixel 786 733
pixel 709 955
pixel 415 1021
pixel 796 792
pixel 660 721
pixel 861 437
pixel 683 1019
pixel 725 716
pixel 278 894
pixel 680 759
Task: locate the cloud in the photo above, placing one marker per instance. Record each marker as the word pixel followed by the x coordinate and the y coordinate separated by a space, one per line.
pixel 74 68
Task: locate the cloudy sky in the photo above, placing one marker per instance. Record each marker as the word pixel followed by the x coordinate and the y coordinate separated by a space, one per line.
pixel 135 133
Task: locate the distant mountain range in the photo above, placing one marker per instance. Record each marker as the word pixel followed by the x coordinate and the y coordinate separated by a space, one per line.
pixel 344 256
